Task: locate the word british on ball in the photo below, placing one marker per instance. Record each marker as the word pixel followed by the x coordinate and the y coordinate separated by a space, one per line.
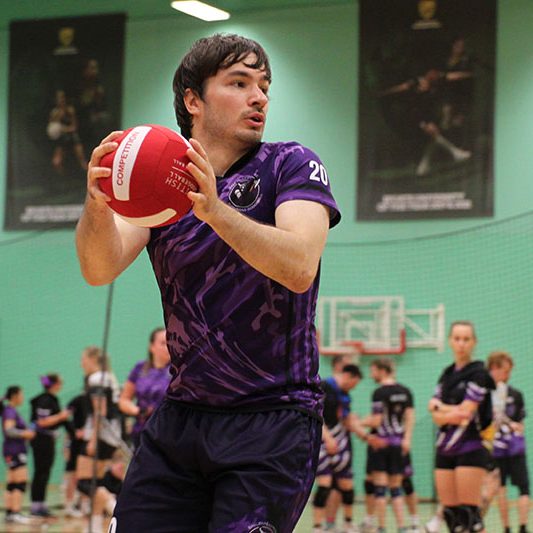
pixel 149 181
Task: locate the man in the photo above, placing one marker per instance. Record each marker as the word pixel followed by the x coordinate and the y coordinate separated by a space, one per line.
pixel 509 447
pixel 393 418
pixel 335 460
pixel 338 362
pixel 235 445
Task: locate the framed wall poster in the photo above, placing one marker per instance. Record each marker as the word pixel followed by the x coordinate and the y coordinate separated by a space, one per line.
pixel 65 95
pixel 426 109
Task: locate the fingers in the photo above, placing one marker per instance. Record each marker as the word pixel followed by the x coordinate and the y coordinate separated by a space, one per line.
pixel 113 135
pixel 199 159
pixel 96 172
pixel 198 148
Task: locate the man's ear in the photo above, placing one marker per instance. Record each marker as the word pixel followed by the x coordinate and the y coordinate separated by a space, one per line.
pixel 192 101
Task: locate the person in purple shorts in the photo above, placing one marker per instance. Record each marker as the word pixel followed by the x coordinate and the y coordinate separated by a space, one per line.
pixel 509 444
pixel 147 383
pixel 234 446
pixel 16 432
pixel 461 407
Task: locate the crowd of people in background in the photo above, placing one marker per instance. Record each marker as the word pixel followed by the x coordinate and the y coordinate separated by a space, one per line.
pixel 99 435
pixel 480 443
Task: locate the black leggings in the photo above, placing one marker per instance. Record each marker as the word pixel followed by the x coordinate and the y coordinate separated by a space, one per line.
pixel 43 458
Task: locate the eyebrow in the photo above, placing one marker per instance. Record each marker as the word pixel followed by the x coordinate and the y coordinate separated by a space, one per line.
pixel 247 74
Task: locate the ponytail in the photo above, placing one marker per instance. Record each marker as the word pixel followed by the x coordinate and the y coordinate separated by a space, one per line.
pixel 10 392
pixel 49 380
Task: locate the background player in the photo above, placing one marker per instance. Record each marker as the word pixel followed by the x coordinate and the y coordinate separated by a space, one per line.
pixel 509 447
pixel 335 459
pixel 16 433
pixel 393 417
pixel 48 417
pixel 147 383
pixel 461 407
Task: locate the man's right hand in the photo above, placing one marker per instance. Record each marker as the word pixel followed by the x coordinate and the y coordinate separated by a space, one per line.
pixel 95 171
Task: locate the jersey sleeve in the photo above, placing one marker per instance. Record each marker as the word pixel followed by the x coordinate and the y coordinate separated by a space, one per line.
pixel 437 393
pixel 135 372
pixel 377 402
pixel 476 388
pixel 520 407
pixel 330 404
pixel 301 175
pixel 410 400
pixel 9 414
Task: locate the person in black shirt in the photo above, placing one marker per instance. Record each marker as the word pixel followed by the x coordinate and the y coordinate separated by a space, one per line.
pixel 461 407
pixel 393 420
pixel 335 459
pixel 509 445
pixel 79 407
pixel 47 416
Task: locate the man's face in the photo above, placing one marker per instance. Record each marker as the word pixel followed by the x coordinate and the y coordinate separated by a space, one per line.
pixel 376 373
pixel 234 104
pixel 501 373
pixel 348 382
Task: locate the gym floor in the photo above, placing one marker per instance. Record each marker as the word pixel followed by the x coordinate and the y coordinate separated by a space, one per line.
pixel 62 524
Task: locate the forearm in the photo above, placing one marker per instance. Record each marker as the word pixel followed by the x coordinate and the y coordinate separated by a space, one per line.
pixel 128 407
pixel 357 428
pixel 278 254
pixel 51 420
pixel 98 243
pixel 15 433
pixel 106 245
pixel 372 421
pixel 409 426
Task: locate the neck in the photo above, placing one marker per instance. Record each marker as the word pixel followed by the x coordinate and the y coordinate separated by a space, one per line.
pixel 461 361
pixel 159 364
pixel 222 155
pixel 389 380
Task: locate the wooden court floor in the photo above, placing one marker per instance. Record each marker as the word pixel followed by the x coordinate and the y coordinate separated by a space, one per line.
pixel 62 524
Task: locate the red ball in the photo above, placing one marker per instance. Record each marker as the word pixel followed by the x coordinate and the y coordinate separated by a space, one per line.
pixel 149 181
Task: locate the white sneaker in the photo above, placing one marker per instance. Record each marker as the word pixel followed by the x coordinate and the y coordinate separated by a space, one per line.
pixel 351 528
pixel 17 518
pixel 367 527
pixel 433 526
pixel 72 512
pixel 461 155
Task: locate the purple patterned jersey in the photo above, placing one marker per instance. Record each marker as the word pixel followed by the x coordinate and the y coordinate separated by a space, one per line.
pixel 150 387
pixel 238 339
pixel 471 382
pixel 507 441
pixel 13 446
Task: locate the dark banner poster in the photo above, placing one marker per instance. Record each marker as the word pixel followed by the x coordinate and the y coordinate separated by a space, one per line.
pixel 426 109
pixel 65 95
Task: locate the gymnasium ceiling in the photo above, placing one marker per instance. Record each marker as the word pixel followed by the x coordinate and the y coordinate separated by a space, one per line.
pixel 162 7
pixel 23 9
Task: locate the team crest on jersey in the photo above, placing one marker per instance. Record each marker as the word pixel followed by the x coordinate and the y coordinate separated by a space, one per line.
pixel 263 527
pixel 245 193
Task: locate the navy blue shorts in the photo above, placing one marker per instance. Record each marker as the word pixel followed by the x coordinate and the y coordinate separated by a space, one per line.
pixel 198 471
